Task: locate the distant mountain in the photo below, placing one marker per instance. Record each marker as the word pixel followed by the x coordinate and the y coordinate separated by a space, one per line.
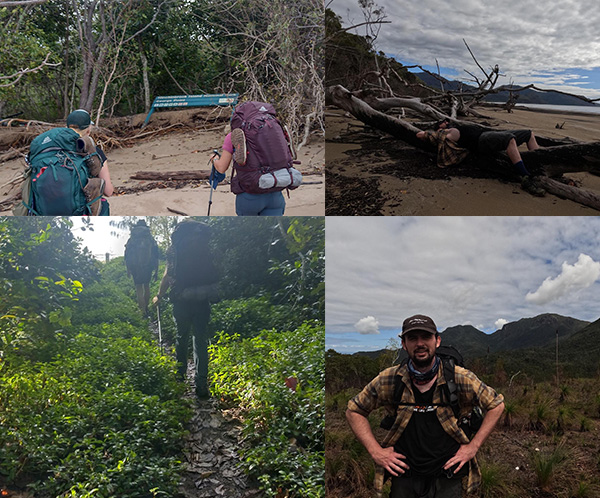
pixel 528 96
pixel 527 346
pixel 470 341
pixel 537 331
pixel 578 356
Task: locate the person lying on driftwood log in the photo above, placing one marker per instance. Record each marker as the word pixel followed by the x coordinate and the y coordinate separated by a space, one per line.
pixel 454 142
pixel 554 158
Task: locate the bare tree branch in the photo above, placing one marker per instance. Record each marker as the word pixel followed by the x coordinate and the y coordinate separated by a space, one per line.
pixel 19 3
pixel 19 74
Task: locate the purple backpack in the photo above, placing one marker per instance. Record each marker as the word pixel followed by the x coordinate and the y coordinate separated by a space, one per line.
pixel 268 160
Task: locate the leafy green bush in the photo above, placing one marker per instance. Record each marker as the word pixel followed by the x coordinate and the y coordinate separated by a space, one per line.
pixel 246 317
pixel 106 414
pixel 283 428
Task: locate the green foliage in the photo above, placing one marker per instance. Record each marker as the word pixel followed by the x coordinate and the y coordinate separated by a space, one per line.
pixel 283 428
pixel 88 407
pixel 105 414
pixel 247 317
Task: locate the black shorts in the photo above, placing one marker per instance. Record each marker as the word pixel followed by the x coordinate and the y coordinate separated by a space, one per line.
pixel 497 141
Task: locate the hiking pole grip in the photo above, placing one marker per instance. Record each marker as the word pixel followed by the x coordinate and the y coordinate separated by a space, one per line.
pixel 212 172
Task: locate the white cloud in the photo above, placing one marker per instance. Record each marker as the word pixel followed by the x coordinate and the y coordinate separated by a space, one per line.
pixel 367 325
pixel 395 267
pixel 521 37
pixel 501 322
pixel 573 277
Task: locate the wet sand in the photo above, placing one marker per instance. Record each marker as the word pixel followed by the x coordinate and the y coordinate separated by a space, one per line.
pixel 369 173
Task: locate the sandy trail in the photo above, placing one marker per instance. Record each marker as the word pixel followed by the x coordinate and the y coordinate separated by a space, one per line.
pixel 186 149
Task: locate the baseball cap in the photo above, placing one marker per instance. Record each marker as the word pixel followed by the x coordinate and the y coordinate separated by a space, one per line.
pixel 418 322
pixel 79 118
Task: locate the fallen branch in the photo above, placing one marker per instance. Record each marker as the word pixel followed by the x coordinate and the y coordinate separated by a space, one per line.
pixel 171 175
pixel 181 213
pixel 577 194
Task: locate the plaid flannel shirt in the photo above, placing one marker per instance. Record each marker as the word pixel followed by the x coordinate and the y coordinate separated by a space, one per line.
pixel 448 151
pixel 380 392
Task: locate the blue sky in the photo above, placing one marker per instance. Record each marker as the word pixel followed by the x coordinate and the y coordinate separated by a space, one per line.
pixel 555 45
pixel 481 271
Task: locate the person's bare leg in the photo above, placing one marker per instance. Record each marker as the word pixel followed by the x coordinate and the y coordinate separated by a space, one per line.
pixel 513 151
pixel 532 143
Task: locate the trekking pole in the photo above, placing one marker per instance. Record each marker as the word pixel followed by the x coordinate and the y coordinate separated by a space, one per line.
pixel 159 328
pixel 212 175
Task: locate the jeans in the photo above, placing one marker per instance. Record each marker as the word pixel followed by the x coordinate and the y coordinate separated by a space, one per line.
pixel 193 316
pixel 270 204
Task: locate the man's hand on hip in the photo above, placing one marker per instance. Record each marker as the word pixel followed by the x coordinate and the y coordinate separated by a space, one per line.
pixel 391 461
pixel 465 453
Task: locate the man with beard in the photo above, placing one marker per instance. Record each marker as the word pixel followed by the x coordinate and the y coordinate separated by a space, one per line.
pixel 425 452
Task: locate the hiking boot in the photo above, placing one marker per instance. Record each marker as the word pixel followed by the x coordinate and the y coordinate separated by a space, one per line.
pixel 202 392
pixel 238 140
pixel 94 190
pixel 531 186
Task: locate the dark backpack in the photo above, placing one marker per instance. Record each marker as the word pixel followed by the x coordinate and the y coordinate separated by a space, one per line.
pixel 192 262
pixel 56 175
pixel 269 162
pixel 141 254
pixel 450 357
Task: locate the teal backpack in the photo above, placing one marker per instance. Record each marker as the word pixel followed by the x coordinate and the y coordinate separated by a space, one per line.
pixel 56 176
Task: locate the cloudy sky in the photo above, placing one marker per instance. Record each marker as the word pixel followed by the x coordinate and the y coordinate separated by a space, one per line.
pixel 482 271
pixel 104 238
pixel 552 44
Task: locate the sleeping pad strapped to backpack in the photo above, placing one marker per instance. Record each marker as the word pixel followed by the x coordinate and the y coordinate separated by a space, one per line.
pixel 141 254
pixel 269 162
pixel 56 176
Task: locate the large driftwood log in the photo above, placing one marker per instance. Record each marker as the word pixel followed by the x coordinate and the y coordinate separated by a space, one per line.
pixel 553 161
pixel 171 175
pixel 577 194
pixel 362 111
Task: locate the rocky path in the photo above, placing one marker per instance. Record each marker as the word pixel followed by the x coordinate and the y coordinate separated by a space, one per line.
pixel 211 458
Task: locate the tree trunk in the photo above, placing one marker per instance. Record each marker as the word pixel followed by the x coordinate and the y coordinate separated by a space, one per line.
pixel 145 78
pixel 398 128
pixel 577 194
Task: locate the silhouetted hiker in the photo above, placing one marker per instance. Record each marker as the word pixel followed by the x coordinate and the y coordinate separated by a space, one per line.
pixel 192 278
pixel 141 259
pixel 426 451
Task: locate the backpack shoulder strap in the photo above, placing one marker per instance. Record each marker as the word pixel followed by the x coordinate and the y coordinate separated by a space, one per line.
pixel 450 388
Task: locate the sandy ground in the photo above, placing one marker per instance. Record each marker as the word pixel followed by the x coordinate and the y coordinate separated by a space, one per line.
pixel 187 150
pixel 372 174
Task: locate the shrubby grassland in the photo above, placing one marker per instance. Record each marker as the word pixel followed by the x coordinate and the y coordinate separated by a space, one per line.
pixel 546 444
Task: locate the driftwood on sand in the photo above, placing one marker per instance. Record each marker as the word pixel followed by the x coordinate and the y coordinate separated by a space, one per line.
pixel 171 175
pixel 549 161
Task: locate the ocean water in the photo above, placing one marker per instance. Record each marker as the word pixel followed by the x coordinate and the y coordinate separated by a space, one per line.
pixel 566 108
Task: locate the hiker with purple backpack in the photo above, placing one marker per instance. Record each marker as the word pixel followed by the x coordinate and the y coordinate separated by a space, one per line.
pixel 262 155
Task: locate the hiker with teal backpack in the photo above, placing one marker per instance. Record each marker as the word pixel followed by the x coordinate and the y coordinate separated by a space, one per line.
pixel 141 260
pixel 428 450
pixel 263 157
pixel 67 173
pixel 192 279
